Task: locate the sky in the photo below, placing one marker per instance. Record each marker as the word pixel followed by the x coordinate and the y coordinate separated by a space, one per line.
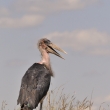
pixel 80 27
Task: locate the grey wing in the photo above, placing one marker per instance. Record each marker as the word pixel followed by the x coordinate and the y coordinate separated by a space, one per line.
pixel 34 87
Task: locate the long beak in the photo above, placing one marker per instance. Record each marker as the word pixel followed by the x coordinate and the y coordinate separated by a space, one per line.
pixel 52 47
pixel 57 48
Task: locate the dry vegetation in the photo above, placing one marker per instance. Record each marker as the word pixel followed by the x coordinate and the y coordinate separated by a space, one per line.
pixel 4 104
pixel 57 100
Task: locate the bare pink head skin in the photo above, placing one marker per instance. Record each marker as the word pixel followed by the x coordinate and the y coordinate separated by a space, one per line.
pixel 45 47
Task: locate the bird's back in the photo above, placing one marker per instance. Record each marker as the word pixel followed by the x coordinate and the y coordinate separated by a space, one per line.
pixel 34 86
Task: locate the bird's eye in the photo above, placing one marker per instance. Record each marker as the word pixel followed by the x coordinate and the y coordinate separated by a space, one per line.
pixel 47 41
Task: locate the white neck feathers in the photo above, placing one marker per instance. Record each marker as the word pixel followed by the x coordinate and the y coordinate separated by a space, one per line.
pixel 46 60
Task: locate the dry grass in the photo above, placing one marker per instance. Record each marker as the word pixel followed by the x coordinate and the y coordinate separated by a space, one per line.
pixel 4 104
pixel 57 100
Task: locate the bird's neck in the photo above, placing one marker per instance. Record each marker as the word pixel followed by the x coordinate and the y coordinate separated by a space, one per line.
pixel 46 61
pixel 45 58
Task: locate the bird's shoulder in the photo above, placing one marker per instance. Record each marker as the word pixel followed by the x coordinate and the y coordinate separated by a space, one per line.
pixel 36 73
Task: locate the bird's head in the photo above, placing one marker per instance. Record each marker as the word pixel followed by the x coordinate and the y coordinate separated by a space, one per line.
pixel 48 46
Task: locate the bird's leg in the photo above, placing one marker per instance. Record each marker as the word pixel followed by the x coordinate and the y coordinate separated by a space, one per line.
pixel 41 105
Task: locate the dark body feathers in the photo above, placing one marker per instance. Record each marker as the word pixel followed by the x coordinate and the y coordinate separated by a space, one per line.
pixel 34 86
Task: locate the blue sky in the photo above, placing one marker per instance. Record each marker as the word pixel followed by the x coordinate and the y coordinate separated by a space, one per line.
pixel 80 27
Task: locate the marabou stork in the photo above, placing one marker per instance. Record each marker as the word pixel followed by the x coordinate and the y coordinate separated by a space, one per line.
pixel 36 81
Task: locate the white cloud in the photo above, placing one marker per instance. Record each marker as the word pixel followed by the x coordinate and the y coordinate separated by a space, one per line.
pixel 33 12
pixel 88 41
pixel 4 11
pixel 24 21
pixel 107 98
pixel 102 102
pixel 48 6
